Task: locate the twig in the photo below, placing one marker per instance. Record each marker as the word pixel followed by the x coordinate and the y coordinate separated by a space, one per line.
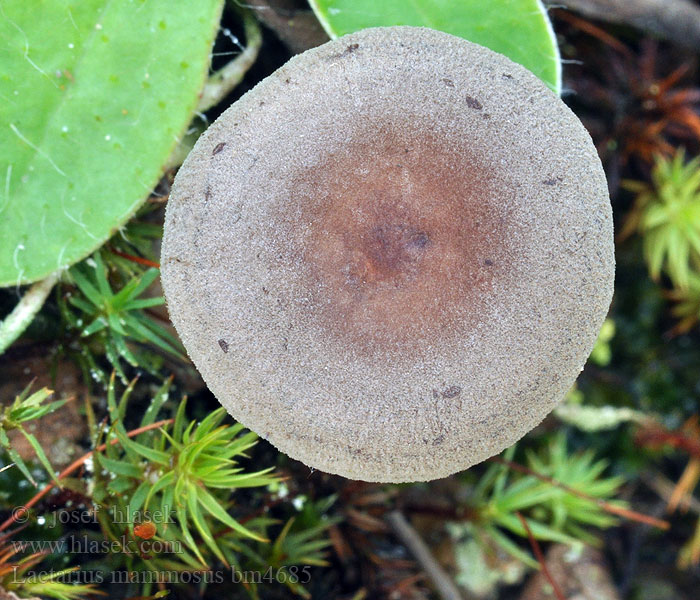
pixel 456 513
pixel 676 20
pixel 664 488
pixel 540 558
pixel 22 315
pixel 412 540
pixel 136 259
pixel 595 31
pixel 606 506
pixel 74 466
pixel 231 74
pixel 658 435
pixel 298 28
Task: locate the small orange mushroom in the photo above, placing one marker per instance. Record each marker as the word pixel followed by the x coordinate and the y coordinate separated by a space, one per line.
pixel 392 257
pixel 145 530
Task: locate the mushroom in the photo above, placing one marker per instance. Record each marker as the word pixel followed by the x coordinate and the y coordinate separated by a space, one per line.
pixel 392 257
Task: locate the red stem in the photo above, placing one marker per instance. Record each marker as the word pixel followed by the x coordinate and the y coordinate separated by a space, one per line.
pixel 606 506
pixel 22 510
pixel 137 259
pixel 540 558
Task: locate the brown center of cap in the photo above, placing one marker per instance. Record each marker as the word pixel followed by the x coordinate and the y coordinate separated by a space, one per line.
pixel 404 240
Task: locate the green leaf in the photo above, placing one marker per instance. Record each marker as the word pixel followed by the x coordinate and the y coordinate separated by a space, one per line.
pixel 82 305
pixel 36 398
pixel 144 303
pixel 85 286
pixel 189 540
pixel 113 357
pixel 40 455
pixel 156 404
pixel 200 523
pixel 678 253
pixel 17 459
pixel 141 327
pixel 94 96
pixel 212 506
pixel 117 411
pixel 523 494
pixel 520 29
pixel 277 545
pixel 136 287
pixel 123 349
pixel 244 480
pixel 151 454
pixel 208 423
pixel 539 530
pixel 165 481
pixel 138 499
pixel 655 244
pixel 97 325
pixel 179 424
pixel 116 325
pixel 119 467
pixel 101 276
pixel 511 547
pixel 29 413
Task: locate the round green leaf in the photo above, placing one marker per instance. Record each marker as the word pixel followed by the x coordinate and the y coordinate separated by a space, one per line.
pixel 520 29
pixel 93 97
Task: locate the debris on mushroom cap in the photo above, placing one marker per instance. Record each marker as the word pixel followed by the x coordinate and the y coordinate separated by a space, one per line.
pixel 392 257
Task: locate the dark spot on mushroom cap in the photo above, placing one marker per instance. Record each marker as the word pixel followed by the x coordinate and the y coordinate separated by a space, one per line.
pixel 552 181
pixel 473 103
pixel 218 148
pixel 224 345
pixel 349 49
pixel 452 392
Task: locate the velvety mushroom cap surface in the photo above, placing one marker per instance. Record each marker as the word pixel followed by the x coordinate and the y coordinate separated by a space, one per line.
pixel 392 257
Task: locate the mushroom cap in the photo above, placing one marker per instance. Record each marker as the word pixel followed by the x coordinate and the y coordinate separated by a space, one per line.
pixel 392 257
